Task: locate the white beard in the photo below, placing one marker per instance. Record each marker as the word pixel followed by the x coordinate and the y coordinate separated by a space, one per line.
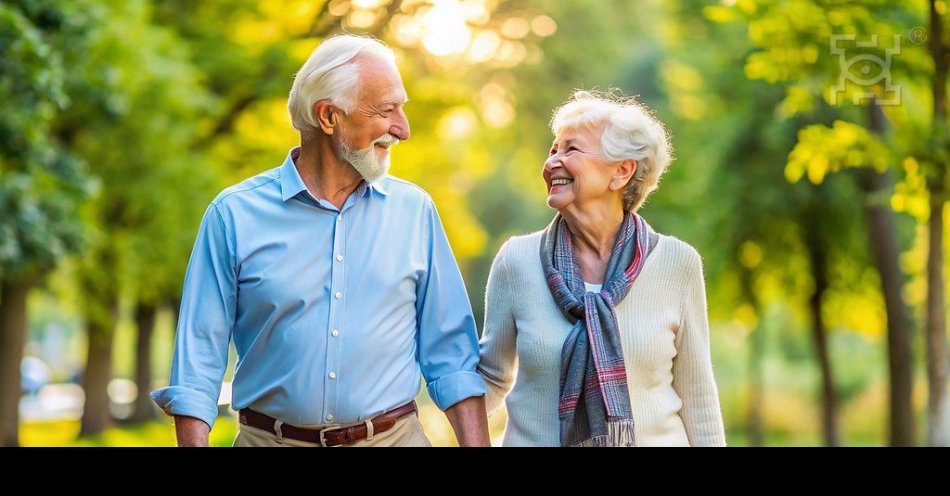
pixel 364 161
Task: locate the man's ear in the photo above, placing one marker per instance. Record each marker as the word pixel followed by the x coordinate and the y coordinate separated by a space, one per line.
pixel 326 116
pixel 624 174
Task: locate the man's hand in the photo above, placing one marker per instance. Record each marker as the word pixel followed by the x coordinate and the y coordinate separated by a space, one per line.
pixel 470 422
pixel 191 432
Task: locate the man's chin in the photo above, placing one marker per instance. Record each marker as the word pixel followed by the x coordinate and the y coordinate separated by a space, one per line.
pixel 376 173
pixel 382 154
pixel 381 175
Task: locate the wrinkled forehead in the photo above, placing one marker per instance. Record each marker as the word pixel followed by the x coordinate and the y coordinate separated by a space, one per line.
pixel 582 133
pixel 380 81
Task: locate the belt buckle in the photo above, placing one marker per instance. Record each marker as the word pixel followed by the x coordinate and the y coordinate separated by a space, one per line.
pixel 323 438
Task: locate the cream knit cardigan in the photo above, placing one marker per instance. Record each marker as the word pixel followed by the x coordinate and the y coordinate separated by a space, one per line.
pixel 664 335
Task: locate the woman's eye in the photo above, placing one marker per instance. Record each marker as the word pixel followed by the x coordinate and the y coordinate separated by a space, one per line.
pixel 572 149
pixel 553 151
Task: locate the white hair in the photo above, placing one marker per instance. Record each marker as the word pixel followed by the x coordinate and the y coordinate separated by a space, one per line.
pixel 332 73
pixel 631 132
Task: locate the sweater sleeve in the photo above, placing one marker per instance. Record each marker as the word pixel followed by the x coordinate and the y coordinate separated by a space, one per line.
pixel 499 355
pixel 693 378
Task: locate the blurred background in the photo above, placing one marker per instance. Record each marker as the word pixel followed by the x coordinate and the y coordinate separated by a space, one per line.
pixel 811 142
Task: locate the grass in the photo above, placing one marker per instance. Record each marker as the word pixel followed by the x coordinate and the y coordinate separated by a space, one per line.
pixel 162 432
pixel 155 433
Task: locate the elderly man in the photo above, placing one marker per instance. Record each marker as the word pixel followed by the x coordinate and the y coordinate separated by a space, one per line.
pixel 335 280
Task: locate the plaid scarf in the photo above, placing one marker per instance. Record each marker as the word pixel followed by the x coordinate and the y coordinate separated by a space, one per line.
pixel 594 407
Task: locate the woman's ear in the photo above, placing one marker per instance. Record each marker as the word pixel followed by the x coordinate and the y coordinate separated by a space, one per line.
pixel 624 174
pixel 326 116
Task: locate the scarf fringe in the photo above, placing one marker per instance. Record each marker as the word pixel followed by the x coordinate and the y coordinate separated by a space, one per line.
pixel 619 433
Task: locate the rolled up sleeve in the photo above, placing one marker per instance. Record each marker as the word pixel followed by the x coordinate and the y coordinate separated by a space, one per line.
pixel 204 325
pixel 448 340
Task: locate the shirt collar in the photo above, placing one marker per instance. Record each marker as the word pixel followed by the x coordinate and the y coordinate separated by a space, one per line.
pixel 291 183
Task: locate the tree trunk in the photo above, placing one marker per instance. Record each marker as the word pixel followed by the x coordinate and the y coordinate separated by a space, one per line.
pixel 145 322
pixel 877 187
pixel 756 395
pixel 936 323
pixel 101 304
pixel 756 354
pixel 829 397
pixel 938 432
pixel 96 416
pixel 13 331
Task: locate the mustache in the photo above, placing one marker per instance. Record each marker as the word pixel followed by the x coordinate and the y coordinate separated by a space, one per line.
pixel 386 139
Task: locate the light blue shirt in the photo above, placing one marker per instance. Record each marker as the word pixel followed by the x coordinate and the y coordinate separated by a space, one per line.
pixel 334 313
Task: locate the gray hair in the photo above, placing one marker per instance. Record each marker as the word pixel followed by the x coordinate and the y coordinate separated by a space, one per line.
pixel 332 73
pixel 631 132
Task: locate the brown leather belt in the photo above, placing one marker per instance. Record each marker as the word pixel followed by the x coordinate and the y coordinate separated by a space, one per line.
pixel 332 436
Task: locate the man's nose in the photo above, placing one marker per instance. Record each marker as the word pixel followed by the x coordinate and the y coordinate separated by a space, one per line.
pixel 400 127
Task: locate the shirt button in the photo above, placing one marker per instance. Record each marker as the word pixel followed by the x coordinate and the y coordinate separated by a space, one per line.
pixel 339 258
pixel 339 218
pixel 338 295
pixel 329 418
pixel 332 375
pixel 335 333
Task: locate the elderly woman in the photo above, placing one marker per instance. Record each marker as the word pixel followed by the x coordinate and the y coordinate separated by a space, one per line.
pixel 596 326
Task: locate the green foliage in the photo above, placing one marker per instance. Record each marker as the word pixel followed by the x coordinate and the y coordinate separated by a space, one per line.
pixel 40 181
pixel 822 149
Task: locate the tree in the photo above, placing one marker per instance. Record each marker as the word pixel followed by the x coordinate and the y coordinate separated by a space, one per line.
pixel 798 50
pixel 137 151
pixel 938 408
pixel 40 181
